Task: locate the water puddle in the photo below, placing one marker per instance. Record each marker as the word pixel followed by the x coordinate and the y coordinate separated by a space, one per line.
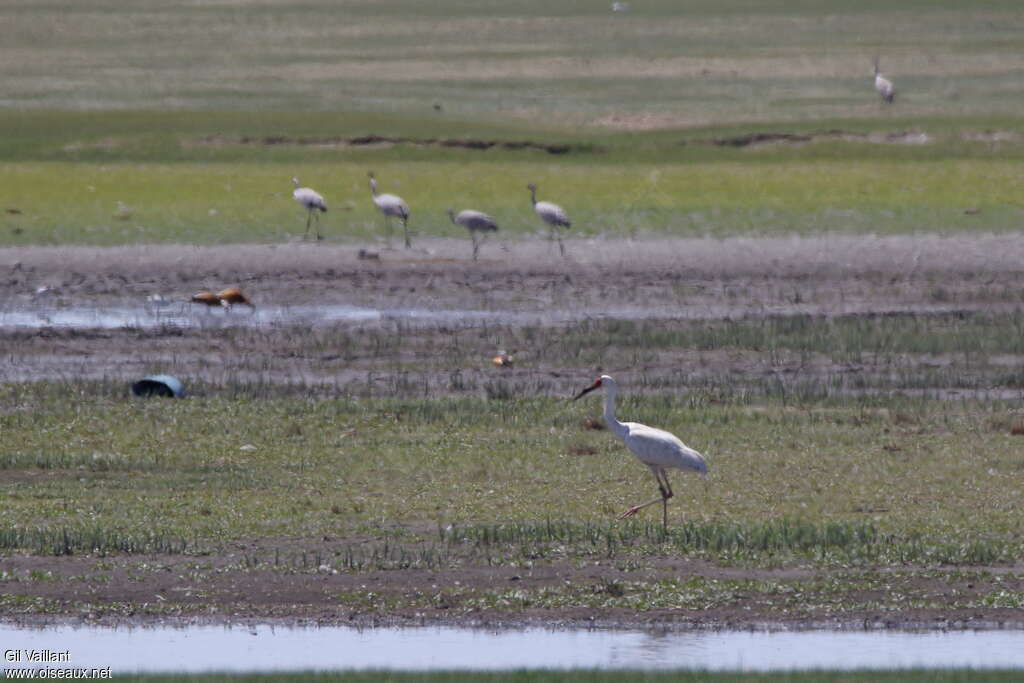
pixel 115 317
pixel 266 647
pixel 143 318
pixel 185 315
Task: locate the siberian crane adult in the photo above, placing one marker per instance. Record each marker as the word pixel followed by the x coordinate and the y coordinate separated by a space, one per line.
pixel 313 202
pixel 552 214
pixel 656 448
pixel 391 205
pixel 885 88
pixel 478 224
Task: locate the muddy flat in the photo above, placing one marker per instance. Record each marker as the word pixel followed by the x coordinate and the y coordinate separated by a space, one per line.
pixel 117 312
pixel 222 588
pixel 74 314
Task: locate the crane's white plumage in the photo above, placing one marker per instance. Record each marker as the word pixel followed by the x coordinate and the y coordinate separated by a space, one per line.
pixel 552 214
pixel 313 202
pixel 886 90
pixel 391 205
pixel 656 448
pixel 477 222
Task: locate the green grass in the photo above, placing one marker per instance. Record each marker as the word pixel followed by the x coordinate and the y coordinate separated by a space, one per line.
pixel 111 474
pixel 167 111
pixel 213 203
pixel 562 63
pixel 855 338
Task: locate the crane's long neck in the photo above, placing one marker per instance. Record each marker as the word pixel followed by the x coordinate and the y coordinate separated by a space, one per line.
pixel 373 187
pixel 614 425
pixel 533 196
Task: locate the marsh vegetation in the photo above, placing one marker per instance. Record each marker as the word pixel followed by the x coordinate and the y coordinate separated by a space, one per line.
pixel 821 294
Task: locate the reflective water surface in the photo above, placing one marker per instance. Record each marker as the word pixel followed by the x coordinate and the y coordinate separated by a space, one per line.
pixel 113 317
pixel 266 647
pixel 39 315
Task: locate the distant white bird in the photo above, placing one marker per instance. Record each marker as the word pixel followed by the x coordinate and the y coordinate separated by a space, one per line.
pixel 885 88
pixel 155 303
pixel 313 202
pixel 391 205
pixel 478 224
pixel 552 214
pixel 123 211
pixel 655 448
pixel 620 6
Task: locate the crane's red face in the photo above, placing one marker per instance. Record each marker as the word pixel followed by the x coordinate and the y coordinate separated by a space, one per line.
pixel 595 385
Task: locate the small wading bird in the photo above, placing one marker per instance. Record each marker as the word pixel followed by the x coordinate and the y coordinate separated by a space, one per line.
pixel 552 214
pixel 157 303
pixel 655 448
pixel 478 224
pixel 391 205
pixel 885 88
pixel 225 298
pixel 313 202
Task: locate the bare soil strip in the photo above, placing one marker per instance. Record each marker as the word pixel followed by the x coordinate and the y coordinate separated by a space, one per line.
pixel 220 587
pixel 380 141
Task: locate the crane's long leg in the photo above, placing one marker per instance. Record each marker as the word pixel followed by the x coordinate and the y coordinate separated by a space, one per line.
pixel 561 246
pixel 318 235
pixel 666 493
pixel 478 240
pixel 637 508
pixel 668 487
pixel 387 229
pixel 405 227
pixel 309 218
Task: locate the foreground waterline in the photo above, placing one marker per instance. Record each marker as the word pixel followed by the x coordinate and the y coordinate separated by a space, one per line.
pixel 269 647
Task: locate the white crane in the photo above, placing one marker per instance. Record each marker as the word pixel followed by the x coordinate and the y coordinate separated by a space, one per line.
pixel 884 86
pixel 478 224
pixel 552 214
pixel 391 205
pixel 313 202
pixel 655 448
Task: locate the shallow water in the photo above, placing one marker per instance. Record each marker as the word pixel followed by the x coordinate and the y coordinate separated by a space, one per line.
pixel 139 317
pixel 114 317
pixel 178 315
pixel 273 648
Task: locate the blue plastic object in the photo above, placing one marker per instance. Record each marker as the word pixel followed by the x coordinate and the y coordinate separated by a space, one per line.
pixel 159 385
